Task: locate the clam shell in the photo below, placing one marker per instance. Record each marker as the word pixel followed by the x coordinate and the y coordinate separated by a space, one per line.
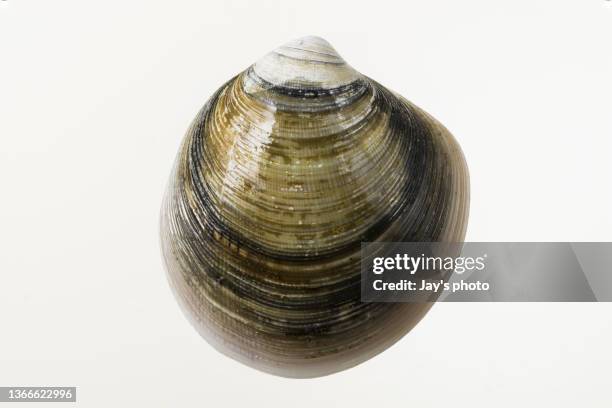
pixel 285 171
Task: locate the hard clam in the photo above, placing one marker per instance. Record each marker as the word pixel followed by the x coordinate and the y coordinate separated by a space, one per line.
pixel 286 170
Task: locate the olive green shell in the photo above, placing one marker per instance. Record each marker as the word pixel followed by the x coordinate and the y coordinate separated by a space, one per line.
pixel 286 170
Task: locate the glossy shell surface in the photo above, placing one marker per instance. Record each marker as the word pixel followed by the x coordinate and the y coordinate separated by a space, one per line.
pixel 285 171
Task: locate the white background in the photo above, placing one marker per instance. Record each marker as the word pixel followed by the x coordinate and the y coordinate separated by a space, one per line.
pixel 95 97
